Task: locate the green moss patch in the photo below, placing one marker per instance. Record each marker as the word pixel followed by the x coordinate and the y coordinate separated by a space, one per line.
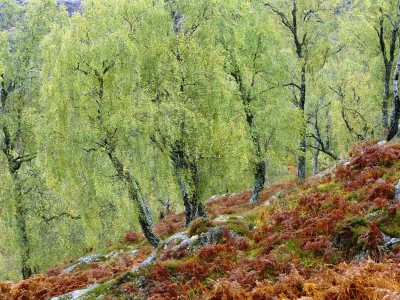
pixel 391 225
pixel 199 226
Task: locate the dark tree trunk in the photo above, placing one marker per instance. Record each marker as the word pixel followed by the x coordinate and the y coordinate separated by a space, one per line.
pixel 14 163
pixel 126 178
pixel 20 210
pixel 145 204
pixel 259 178
pixel 386 97
pixel 259 163
pixel 388 59
pixel 301 163
pixel 394 118
pixel 186 173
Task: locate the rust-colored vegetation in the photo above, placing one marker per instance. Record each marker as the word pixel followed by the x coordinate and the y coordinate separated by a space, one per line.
pixel 321 240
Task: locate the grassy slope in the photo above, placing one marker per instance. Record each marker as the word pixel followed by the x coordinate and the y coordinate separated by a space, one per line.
pixel 303 244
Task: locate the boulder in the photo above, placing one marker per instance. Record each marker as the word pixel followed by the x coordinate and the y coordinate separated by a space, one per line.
pixel 397 191
pixel 86 260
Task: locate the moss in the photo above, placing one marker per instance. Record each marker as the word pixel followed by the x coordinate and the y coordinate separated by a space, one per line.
pixel 326 188
pixel 237 225
pixel 199 226
pixel 171 264
pixel 391 175
pixel 100 291
pixel 312 260
pixel 348 233
pixel 391 225
pixel 252 218
pixel 374 214
pixel 353 196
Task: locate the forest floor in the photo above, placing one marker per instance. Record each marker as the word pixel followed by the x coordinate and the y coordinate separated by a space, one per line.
pixel 332 237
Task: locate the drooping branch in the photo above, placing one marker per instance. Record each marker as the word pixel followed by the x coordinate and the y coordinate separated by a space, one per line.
pixel 47 220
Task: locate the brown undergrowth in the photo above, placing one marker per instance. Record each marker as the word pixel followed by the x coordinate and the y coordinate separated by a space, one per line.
pixel 319 240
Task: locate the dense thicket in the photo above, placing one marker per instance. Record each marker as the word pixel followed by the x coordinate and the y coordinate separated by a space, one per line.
pixel 111 112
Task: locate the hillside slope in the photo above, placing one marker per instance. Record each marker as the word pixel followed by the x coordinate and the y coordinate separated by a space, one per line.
pixel 333 237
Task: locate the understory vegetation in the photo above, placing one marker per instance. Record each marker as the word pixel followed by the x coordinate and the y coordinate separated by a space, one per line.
pixel 324 239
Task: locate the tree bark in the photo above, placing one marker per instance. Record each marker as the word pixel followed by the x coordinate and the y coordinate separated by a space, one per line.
pixel 186 173
pixel 145 204
pixel 301 163
pixel 315 159
pixel 20 210
pixel 259 164
pixel 388 59
pixel 126 178
pixel 386 97
pixel 14 163
pixel 259 178
pixel 394 118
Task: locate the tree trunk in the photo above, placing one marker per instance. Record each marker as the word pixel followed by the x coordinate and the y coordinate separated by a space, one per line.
pixel 315 159
pixel 145 204
pixel 386 97
pixel 394 118
pixel 20 210
pixel 301 163
pixel 126 178
pixel 187 176
pixel 260 166
pixel 14 164
pixel 388 59
pixel 259 179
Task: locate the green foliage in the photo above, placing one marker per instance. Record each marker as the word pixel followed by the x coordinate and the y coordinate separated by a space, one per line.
pixel 123 74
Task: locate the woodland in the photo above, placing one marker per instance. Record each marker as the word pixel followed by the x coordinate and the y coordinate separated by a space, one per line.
pixel 120 118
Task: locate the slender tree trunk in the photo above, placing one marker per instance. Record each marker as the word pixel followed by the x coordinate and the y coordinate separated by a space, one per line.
pixel 301 163
pixel 386 97
pixel 388 59
pixel 394 118
pixel 126 178
pixel 145 204
pixel 20 210
pixel 315 159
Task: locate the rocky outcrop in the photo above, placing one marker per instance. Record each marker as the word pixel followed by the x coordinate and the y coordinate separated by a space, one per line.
pixel 76 294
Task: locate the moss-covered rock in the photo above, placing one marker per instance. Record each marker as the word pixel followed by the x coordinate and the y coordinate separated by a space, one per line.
pixel 199 226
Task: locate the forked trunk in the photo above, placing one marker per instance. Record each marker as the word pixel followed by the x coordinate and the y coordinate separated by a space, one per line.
pixel 186 174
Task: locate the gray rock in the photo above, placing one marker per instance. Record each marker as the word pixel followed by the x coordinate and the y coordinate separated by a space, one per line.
pixel 76 294
pixel 215 197
pixel 382 143
pixel 389 241
pixel 132 253
pixel 177 238
pixel 333 167
pixel 397 191
pixel 149 260
pixel 212 236
pixel 86 260
pixel 114 254
pixel 224 218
